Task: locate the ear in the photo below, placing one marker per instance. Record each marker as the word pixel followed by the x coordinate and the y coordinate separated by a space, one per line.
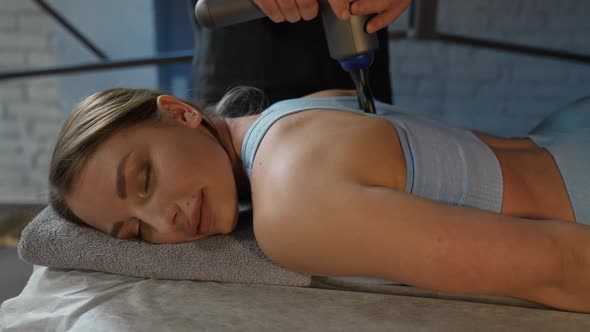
pixel 174 109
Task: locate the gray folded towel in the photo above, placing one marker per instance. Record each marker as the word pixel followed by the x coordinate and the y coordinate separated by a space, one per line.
pixel 52 241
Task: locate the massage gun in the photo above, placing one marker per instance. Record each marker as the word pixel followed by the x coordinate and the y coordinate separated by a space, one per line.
pixel 348 41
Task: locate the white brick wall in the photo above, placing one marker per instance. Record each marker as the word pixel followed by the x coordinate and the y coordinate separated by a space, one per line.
pixel 30 111
pixel 500 92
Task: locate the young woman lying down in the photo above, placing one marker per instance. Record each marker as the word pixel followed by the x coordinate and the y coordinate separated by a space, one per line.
pixel 338 192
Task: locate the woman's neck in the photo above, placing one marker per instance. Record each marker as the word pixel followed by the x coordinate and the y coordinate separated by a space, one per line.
pixel 232 132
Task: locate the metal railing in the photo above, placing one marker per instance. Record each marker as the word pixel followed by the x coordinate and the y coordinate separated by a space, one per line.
pixel 104 63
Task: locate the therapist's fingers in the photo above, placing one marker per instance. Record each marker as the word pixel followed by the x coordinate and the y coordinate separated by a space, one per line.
pixel 271 9
pixel 308 9
pixel 388 11
pixel 341 8
pixel 289 9
pixel 366 7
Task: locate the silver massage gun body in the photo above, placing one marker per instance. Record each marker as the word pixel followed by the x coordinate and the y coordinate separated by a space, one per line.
pixel 348 41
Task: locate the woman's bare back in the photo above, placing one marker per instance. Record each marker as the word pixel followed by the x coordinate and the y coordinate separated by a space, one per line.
pixel 533 186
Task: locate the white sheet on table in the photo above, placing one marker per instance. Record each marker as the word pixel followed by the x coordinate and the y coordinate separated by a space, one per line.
pixel 72 300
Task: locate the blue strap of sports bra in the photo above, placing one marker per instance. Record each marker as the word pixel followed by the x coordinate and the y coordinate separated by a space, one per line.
pixel 283 108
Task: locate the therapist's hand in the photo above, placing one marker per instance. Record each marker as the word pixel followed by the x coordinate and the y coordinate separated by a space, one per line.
pixel 292 10
pixel 387 11
pixel 295 10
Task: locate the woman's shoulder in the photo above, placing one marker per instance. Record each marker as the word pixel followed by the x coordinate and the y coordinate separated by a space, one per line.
pixel 324 149
pixel 331 93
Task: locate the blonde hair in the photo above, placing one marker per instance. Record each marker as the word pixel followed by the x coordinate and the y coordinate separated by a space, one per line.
pixel 94 120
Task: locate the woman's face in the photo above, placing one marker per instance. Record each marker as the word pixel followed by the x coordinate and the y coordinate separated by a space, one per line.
pixel 162 183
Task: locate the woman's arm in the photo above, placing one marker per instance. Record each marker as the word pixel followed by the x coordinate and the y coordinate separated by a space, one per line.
pixel 355 230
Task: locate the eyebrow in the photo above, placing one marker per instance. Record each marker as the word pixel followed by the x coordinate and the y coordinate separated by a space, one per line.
pixel 121 184
pixel 117 228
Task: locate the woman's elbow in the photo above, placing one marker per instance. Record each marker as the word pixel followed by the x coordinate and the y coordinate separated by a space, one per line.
pixel 575 287
pixel 572 292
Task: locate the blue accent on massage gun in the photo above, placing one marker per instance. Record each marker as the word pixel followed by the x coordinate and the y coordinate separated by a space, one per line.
pixel 360 61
